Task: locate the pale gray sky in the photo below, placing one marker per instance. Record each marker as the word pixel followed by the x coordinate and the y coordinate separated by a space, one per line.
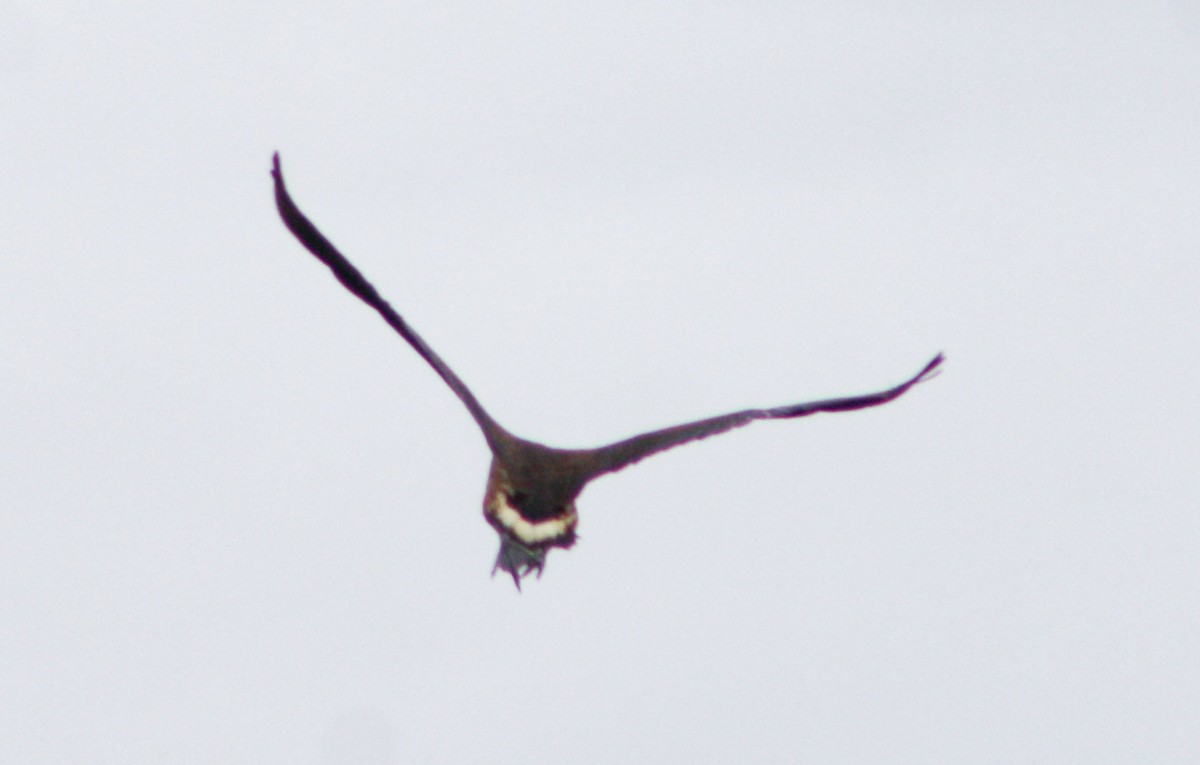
pixel 240 519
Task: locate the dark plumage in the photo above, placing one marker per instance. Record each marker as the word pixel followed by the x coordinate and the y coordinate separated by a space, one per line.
pixel 531 488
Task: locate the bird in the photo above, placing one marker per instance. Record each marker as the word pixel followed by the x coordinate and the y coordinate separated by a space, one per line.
pixel 530 499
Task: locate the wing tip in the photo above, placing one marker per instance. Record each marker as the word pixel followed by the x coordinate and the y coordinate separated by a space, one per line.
pixel 931 370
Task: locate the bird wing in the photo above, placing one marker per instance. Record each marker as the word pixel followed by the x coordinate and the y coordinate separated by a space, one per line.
pixel 608 459
pixel 350 277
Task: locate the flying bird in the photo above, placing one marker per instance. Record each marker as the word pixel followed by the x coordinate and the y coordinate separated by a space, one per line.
pixel 531 488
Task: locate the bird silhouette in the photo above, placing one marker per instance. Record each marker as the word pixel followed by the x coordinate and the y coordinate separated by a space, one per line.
pixel 531 488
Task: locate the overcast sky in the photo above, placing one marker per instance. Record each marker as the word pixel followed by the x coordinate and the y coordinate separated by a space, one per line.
pixel 240 519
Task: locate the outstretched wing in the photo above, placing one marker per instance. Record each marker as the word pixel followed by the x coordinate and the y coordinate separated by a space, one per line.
pixel 613 457
pixel 353 280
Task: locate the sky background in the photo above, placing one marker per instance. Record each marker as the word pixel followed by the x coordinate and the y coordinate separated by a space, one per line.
pixel 240 519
